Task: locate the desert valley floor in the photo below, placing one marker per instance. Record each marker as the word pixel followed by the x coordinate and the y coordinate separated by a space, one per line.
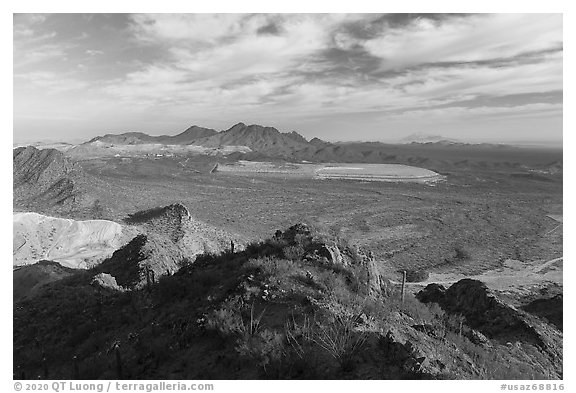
pixel 488 227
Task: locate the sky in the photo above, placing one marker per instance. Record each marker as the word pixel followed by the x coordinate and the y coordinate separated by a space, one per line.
pixel 339 77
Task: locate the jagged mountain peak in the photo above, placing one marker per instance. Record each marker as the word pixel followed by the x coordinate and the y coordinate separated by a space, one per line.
pixel 295 136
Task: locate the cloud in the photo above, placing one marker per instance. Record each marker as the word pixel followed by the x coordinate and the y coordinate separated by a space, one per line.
pixel 294 67
pixel 188 27
pixel 467 113
pixel 49 82
pixel 94 52
pixel 244 59
pixel 474 38
pixel 32 44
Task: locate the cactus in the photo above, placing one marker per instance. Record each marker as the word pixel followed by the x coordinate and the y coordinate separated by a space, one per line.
pixel 45 366
pixel 403 285
pixel 76 371
pixel 118 362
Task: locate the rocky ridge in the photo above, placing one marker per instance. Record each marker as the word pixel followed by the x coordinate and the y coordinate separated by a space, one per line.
pixel 299 305
pixel 169 237
pixel 47 181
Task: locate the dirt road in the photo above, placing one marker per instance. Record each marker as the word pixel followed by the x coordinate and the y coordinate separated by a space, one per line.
pixel 513 276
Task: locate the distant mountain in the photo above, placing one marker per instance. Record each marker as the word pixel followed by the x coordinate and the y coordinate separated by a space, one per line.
pixel 190 135
pixel 127 138
pixel 319 142
pixel 258 138
pixel 261 143
pixel 427 138
pixel 137 138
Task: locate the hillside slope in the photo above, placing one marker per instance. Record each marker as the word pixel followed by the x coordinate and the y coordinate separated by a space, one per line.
pixel 300 305
pixel 75 244
pixel 29 280
pixel 46 181
pixel 167 237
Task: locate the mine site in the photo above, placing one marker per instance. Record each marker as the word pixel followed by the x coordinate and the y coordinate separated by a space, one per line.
pixel 212 239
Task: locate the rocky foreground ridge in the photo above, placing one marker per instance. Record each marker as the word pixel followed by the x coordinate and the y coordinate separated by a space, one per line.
pixel 147 245
pixel 301 304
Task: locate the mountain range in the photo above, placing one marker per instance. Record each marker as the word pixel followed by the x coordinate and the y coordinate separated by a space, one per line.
pixel 256 137
pixel 263 143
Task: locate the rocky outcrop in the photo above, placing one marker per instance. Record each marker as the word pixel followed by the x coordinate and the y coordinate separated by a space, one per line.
pixel 550 310
pixel 332 254
pixel 166 220
pixel 407 356
pixel 327 252
pixel 297 233
pixel 168 236
pixel 485 312
pixel 129 264
pixel 105 280
pixel 433 293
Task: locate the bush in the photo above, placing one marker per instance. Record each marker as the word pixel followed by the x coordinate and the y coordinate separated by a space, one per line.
pixel 226 321
pixel 264 346
pixel 294 252
pixel 340 340
pixel 335 338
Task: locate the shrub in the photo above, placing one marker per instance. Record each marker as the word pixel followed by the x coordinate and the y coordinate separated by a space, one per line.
pixel 299 336
pixel 264 346
pixel 225 320
pixel 294 252
pixel 340 340
pixel 251 326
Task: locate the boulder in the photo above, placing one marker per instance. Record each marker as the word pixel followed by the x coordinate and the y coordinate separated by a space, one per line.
pixel 331 253
pixel 433 293
pixel 105 280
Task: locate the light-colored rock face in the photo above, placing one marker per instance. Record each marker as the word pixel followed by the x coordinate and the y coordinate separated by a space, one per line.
pixel 106 281
pixel 76 244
